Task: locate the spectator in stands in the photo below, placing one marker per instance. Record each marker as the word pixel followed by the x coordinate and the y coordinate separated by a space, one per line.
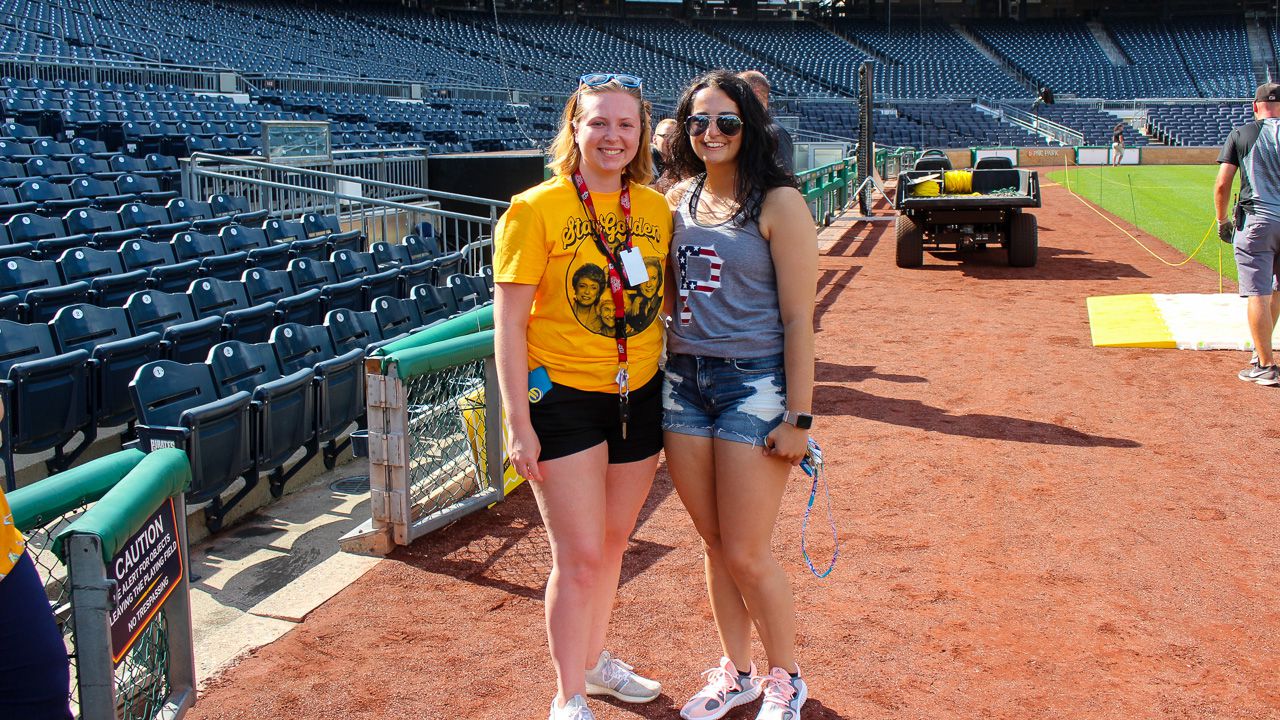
pixel 660 148
pixel 739 384
pixel 786 152
pixel 34 672
pixel 1254 227
pixel 590 444
pixel 1117 144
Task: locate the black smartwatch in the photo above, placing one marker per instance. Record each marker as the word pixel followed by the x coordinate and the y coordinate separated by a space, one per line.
pixel 802 420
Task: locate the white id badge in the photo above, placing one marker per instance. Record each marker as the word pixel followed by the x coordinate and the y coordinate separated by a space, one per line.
pixel 634 268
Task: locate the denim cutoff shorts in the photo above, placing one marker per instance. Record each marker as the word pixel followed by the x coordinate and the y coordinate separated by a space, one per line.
pixel 736 399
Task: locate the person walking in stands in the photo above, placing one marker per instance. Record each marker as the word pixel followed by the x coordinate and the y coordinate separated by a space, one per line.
pixel 786 149
pixel 35 675
pixel 739 379
pixel 1117 144
pixel 589 444
pixel 1254 227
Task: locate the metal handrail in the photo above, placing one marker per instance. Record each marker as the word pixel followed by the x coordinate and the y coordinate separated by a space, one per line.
pixel 204 172
pixel 1042 126
pixel 435 194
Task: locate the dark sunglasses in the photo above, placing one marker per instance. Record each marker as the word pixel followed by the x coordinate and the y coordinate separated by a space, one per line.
pixel 598 79
pixel 728 125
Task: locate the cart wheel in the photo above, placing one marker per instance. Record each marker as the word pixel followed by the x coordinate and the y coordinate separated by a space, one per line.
pixel 1023 240
pixel 910 242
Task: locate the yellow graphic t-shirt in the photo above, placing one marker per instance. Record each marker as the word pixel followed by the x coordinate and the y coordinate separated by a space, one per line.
pixel 545 239
pixel 11 542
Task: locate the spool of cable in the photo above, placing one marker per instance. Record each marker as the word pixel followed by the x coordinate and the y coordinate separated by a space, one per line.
pixel 927 188
pixel 958 182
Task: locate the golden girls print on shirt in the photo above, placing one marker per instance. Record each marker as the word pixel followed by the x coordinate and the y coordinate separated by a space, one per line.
pixel 545 239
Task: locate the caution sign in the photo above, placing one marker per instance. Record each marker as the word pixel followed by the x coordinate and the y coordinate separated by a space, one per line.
pixel 146 570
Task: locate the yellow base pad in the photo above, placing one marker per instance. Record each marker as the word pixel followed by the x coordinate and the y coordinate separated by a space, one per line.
pixel 1128 321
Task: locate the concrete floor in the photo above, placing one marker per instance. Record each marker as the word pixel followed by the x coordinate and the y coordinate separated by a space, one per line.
pixel 255 580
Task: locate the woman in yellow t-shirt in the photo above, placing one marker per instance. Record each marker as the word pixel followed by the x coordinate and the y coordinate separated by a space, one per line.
pixel 34 673
pixel 579 262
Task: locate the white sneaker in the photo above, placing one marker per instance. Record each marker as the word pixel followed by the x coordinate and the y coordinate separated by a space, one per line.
pixel 724 691
pixel 783 695
pixel 575 709
pixel 613 677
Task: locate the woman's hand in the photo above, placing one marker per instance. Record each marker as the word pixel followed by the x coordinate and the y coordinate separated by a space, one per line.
pixel 787 442
pixel 523 449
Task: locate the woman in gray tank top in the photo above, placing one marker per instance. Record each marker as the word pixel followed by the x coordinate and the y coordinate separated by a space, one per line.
pixel 739 378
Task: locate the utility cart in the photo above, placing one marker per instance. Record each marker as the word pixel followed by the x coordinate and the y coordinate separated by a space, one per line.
pixel 966 209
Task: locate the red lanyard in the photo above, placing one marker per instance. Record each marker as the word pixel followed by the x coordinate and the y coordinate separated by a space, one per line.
pixel 615 285
pixel 615 276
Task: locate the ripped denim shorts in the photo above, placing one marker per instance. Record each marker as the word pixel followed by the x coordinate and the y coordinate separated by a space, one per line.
pixel 736 399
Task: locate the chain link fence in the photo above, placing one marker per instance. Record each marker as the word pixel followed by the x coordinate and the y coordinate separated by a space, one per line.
pixel 446 438
pixel 40 534
pixel 154 677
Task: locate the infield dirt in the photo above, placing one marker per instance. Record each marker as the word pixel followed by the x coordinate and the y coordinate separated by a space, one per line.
pixel 1030 527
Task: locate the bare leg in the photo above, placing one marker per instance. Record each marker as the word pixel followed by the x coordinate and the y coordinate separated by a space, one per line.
pixel 626 487
pixel 693 472
pixel 1261 325
pixel 749 488
pixel 571 498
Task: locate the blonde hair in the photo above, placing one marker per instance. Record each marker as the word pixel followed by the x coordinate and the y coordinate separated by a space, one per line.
pixel 564 148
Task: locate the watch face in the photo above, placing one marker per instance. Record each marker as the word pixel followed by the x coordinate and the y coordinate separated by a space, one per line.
pixel 804 421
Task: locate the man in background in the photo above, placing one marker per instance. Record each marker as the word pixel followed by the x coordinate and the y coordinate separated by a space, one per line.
pixel 786 152
pixel 1254 227
pixel 661 148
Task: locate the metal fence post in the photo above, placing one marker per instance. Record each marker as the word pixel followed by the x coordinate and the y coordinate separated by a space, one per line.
pixel 493 432
pixel 91 609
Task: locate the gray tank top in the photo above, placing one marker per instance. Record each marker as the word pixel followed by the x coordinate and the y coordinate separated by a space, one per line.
pixel 726 290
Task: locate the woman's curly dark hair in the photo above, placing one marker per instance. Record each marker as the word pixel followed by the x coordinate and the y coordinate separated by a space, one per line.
pixel 758 168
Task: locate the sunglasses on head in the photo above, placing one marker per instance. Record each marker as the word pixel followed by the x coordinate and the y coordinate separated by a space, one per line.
pixel 728 125
pixel 598 79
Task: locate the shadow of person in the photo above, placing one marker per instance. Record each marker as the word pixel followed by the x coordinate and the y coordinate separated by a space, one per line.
pixel 506 548
pixel 830 400
pixel 835 372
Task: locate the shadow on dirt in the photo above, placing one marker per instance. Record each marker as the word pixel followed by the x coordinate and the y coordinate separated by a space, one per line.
pixel 1052 264
pixel 834 372
pixel 506 547
pixel 832 400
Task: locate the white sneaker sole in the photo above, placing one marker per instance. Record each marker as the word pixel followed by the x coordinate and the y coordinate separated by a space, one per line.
pixel 593 689
pixel 741 699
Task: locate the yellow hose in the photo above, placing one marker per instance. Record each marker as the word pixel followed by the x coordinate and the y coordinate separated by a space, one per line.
pixel 958 182
pixel 928 188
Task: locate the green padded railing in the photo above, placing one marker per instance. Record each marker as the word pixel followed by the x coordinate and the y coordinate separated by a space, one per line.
pixel 439 355
pixel 60 494
pixel 122 511
pixel 480 318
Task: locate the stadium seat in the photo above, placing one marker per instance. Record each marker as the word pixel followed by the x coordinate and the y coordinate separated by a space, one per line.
pixel 178 406
pixel 46 397
pixel 115 354
pixel 109 284
pixel 39 287
pixel 339 380
pixel 283 406
pixel 262 252
pixel 184 337
pixel 241 320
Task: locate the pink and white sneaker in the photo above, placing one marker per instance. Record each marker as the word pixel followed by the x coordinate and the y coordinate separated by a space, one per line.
pixel 724 691
pixel 783 695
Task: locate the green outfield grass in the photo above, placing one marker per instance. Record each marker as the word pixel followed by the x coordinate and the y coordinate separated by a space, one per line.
pixel 1171 202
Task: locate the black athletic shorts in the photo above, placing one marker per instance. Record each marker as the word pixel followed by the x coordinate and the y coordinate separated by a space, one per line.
pixel 568 420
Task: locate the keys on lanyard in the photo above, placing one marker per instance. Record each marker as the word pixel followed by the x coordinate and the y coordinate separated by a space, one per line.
pixel 624 399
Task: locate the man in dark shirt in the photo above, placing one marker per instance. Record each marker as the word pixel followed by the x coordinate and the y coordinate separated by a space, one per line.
pixel 1117 144
pixel 1254 229
pixel 786 153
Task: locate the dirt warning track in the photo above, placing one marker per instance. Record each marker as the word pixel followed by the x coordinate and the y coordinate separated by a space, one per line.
pixel 1030 527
